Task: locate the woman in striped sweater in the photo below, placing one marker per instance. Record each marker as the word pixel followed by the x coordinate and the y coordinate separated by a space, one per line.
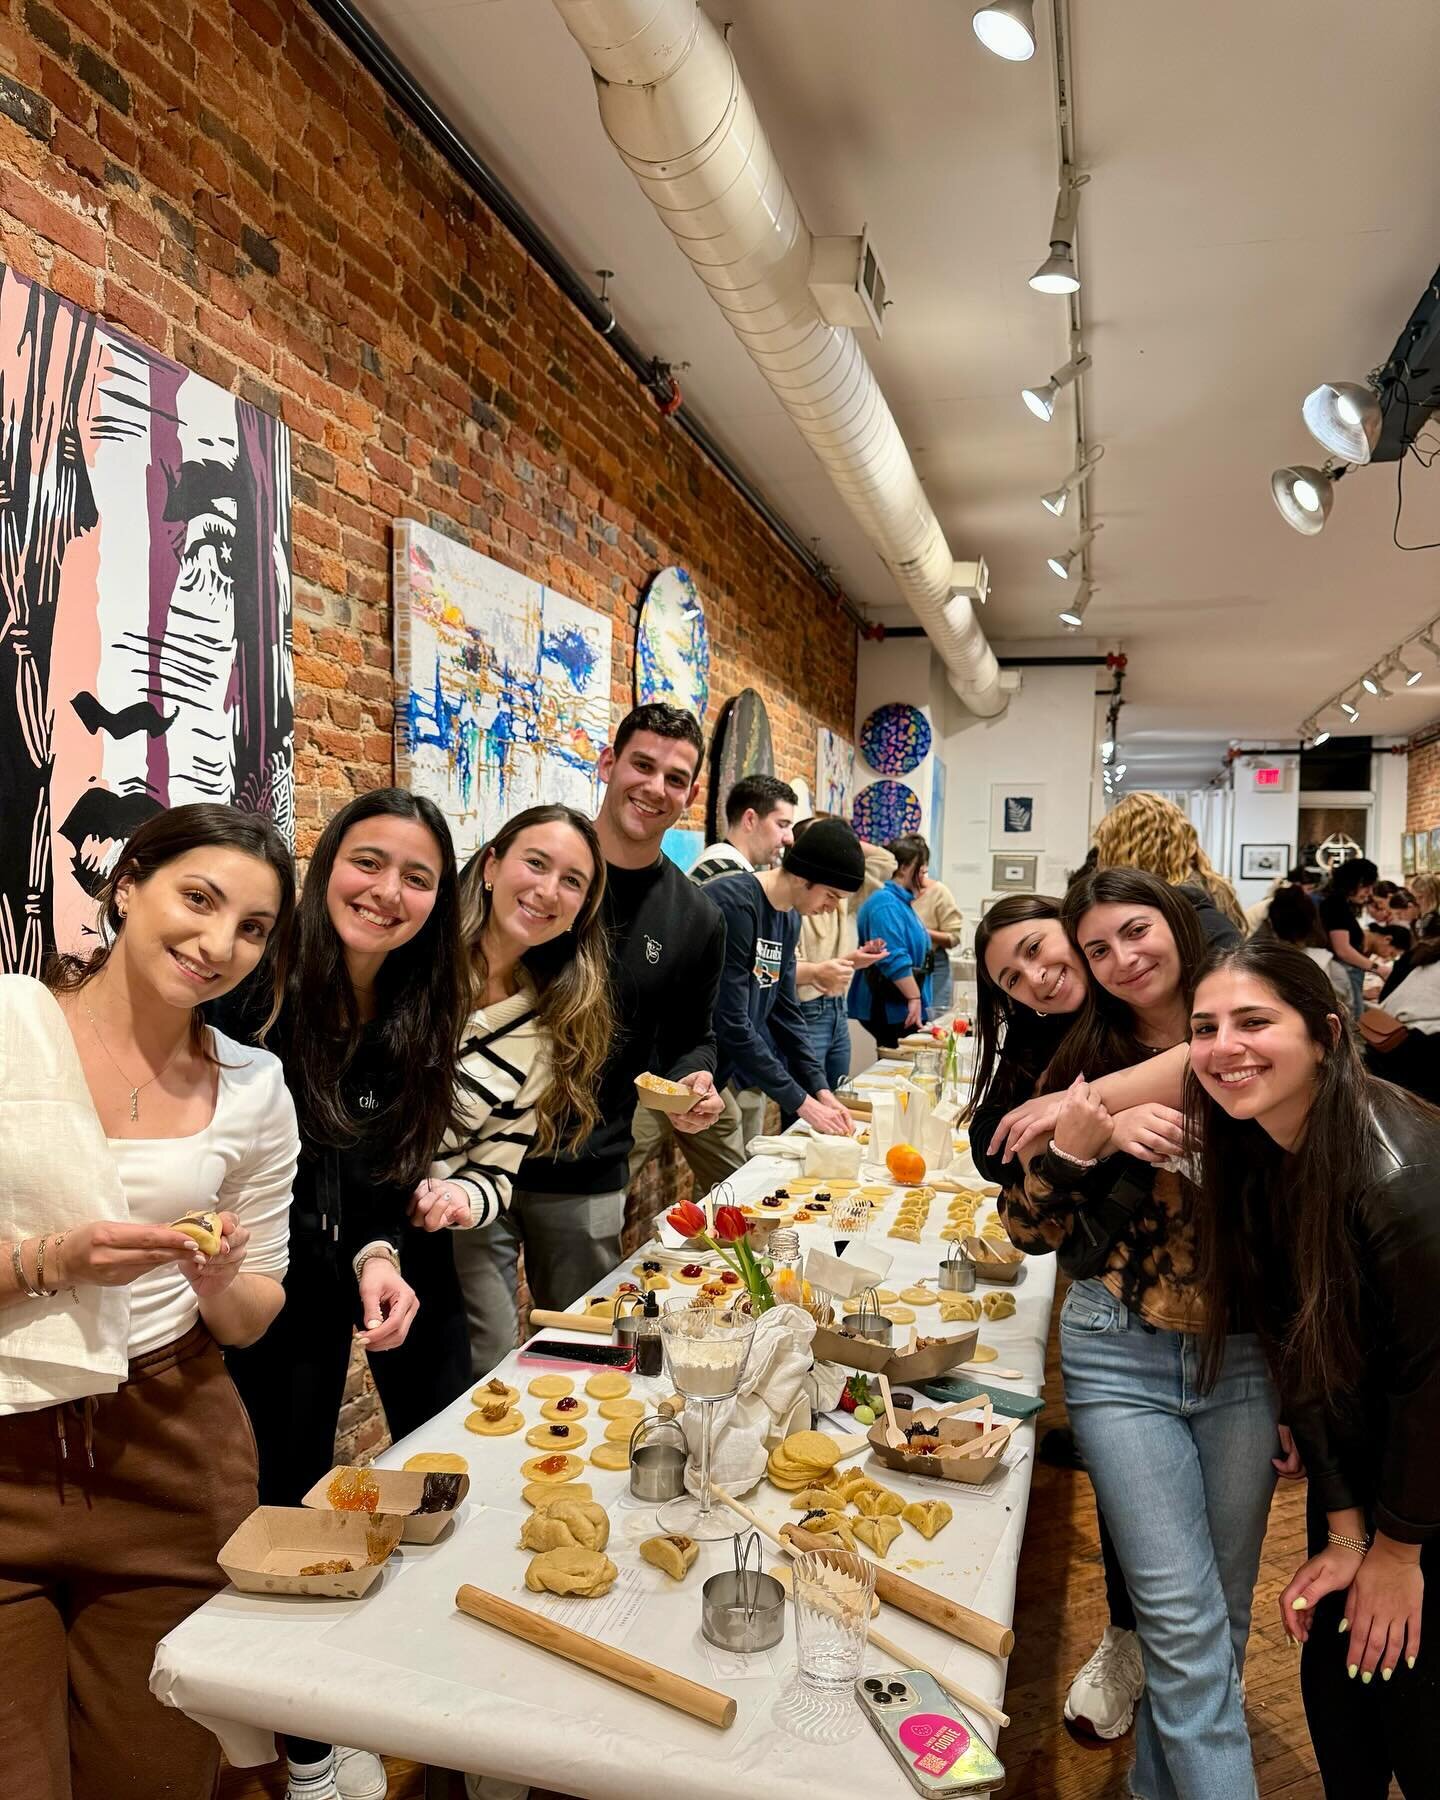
pixel 539 1031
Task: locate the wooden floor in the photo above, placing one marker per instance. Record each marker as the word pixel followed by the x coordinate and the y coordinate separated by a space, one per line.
pixel 1060 1615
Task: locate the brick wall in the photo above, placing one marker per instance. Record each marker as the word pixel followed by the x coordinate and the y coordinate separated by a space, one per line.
pixel 1422 798
pixel 227 185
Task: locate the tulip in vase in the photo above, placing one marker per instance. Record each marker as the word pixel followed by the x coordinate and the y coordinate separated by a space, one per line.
pixel 730 1238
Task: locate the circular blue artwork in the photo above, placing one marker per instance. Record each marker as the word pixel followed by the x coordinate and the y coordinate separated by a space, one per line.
pixel 886 810
pixel 672 645
pixel 896 738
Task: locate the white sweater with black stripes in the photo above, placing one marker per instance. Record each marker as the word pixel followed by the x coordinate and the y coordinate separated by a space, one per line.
pixel 503 1069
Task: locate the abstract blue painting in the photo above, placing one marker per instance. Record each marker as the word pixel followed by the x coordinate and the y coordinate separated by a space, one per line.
pixel 672 645
pixel 502 687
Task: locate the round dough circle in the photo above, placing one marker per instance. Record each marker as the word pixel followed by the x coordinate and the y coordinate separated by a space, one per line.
pixel 483 1394
pixel 690 1280
pixel 483 1427
pixel 900 1315
pixel 983 1353
pixel 556 1437
pixel 564 1411
pixel 618 1431
pixel 622 1409
pixel 437 1462
pixel 611 1456
pixel 551 1387
pixel 541 1493
pixel 919 1296
pixel 607 1387
pixel 532 1471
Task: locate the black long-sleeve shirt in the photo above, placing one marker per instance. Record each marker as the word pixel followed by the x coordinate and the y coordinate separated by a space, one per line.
pixel 667 948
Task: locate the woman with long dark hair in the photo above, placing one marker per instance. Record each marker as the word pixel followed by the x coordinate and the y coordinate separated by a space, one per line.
pixel 1031 986
pixel 1183 1474
pixel 1349 887
pixel 368 1034
pixel 540 1027
pixel 146 1164
pixel 1319 1228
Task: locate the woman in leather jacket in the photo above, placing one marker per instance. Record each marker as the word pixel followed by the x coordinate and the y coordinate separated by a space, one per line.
pixel 1319 1227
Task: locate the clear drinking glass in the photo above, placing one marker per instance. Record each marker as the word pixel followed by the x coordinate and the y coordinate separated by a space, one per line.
pixel 706 1353
pixel 833 1592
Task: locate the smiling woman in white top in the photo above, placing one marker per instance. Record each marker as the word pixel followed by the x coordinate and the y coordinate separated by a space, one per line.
pixel 125 1456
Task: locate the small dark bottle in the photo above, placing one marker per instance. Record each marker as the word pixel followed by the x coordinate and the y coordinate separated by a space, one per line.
pixel 649 1355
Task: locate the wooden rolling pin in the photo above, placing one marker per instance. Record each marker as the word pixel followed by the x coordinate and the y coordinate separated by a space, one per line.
pixel 970 1627
pixel 601 1659
pixel 596 1324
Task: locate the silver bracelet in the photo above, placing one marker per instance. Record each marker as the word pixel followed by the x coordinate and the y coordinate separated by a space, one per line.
pixel 23 1282
pixel 1361 1546
pixel 1075 1162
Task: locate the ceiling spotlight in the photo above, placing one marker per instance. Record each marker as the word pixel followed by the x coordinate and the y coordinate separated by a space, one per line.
pixel 1374 683
pixel 1008 28
pixel 1058 498
pixel 1351 712
pixel 1072 615
pixel 1345 417
pixel 1041 400
pixel 1320 737
pixel 1056 275
pixel 1304 496
pixel 1062 565
pixel 1411 675
pixel 1119 771
pixel 1107 750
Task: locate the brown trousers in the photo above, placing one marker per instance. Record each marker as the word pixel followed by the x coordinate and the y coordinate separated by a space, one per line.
pixel 99 1559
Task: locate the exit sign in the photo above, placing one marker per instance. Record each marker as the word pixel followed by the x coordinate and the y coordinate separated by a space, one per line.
pixel 1267 778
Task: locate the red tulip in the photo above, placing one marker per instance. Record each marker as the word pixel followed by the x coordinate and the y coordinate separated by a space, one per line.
pixel 730 1224
pixel 686 1218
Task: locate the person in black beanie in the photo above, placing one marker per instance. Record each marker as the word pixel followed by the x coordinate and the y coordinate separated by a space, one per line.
pixel 761 1035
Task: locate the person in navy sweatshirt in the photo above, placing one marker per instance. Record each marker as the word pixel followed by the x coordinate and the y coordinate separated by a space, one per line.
pixel 761 1036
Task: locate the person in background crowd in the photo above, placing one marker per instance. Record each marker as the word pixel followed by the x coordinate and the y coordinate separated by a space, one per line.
pixel 1376 913
pixel 1146 831
pixel 759 825
pixel 890 997
pixel 1425 890
pixel 125 1458
pixel 936 910
pixel 1304 876
pixel 1345 893
pixel 1390 941
pixel 539 1033
pixel 666 949
pixel 1030 987
pixel 760 1032
pixel 1294 920
pixel 827 957
pixel 1319 1226
pixel 1183 1473
pixel 1404 909
pixel 367 1034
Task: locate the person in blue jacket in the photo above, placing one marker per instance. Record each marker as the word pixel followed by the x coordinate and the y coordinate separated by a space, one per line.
pixel 892 996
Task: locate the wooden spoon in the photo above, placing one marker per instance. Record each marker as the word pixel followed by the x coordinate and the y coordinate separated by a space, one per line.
pixel 894 1436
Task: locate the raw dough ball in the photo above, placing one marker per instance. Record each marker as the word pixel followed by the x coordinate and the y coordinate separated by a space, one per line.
pixel 672 1554
pixel 551 1387
pixel 481 1423
pixel 566 1524
pixel 545 1493
pixel 556 1437
pixel 928 1516
pixel 879 1534
pixel 584 1572
pixel 611 1456
pixel 553 1469
pixel 607 1387
pixel 437 1462
pixel 999 1306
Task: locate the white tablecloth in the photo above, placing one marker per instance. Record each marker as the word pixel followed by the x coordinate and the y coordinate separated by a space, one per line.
pixel 403 1673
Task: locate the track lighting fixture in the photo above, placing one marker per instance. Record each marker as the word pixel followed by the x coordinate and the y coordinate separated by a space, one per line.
pixel 1427 638
pixel 1320 737
pixel 1056 275
pixel 1062 565
pixel 1072 615
pixel 1008 28
pixel 1373 683
pixel 1058 498
pixel 1411 675
pixel 1351 711
pixel 1345 417
pixel 1304 496
pixel 1041 400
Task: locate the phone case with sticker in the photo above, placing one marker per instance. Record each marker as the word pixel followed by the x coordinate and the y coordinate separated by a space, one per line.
pixel 933 1741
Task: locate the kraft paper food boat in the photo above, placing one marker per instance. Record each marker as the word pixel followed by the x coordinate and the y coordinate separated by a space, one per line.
pixel 973 1471
pixel 929 1364
pixel 660 1099
pixel 993 1260
pixel 401 1491
pixel 265 1554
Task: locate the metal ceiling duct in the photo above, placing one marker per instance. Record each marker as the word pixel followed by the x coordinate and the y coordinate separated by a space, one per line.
pixel 674 106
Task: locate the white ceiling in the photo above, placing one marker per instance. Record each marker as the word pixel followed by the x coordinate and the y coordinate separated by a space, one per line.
pixel 1261 216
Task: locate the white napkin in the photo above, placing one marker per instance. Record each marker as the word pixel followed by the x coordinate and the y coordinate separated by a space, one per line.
pixel 56 1171
pixel 773 1401
pixel 833 1158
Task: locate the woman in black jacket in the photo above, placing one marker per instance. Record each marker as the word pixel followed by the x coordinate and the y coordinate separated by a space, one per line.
pixel 1319 1227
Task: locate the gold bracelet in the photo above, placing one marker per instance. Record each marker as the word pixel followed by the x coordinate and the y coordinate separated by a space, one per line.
pixel 46 1293
pixel 1360 1546
pixel 22 1280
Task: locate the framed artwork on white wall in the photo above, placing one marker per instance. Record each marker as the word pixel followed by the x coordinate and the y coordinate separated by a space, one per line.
pixel 1017 816
pixel 1263 862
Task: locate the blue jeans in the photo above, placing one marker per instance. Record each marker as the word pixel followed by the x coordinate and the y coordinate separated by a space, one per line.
pixel 1356 978
pixel 940 984
pixel 1184 1480
pixel 829 1035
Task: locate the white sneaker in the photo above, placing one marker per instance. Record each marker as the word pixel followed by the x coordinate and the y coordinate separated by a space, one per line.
pixel 360 1775
pixel 312 1781
pixel 1102 1697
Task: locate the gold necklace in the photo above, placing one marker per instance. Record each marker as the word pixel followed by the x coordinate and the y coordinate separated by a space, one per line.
pixel 136 1086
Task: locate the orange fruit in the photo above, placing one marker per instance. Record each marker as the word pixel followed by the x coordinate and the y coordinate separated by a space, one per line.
pixel 905 1163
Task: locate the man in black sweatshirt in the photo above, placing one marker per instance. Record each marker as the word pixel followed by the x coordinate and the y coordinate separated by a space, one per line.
pixel 667 947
